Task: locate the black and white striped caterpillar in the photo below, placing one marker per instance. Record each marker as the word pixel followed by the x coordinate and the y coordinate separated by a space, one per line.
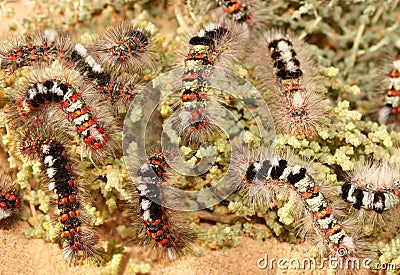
pixel 276 175
pixel 68 90
pixel 78 240
pixel 161 226
pixel 287 77
pixel 373 189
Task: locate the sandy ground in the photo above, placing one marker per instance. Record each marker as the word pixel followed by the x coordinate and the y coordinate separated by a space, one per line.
pixel 22 256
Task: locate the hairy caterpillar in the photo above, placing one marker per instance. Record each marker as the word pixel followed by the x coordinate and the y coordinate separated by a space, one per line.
pixel 41 48
pixel 287 77
pixel 388 114
pixel 160 224
pixel 68 90
pixel 374 190
pixel 272 174
pixel 78 239
pixel 237 10
pixel 10 202
pixel 214 45
pixel 125 48
pixel 254 15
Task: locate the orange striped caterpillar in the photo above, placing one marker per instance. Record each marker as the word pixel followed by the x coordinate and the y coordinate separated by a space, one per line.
pixel 268 177
pixel 215 45
pixel 124 48
pixel 237 10
pixel 10 202
pixel 77 238
pixel 255 15
pixel 287 76
pixel 159 223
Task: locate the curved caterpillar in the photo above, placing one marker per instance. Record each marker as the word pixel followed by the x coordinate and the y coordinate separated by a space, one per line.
pixel 68 91
pixel 375 190
pixel 389 113
pixel 158 222
pixel 41 48
pixel 10 202
pixel 79 240
pixel 286 73
pixel 274 174
pixel 215 45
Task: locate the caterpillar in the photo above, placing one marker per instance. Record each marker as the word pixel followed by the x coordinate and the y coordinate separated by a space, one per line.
pixel 118 89
pixel 125 48
pixel 82 61
pixel 10 202
pixel 79 241
pixel 214 45
pixel 287 78
pixel 237 10
pixel 41 48
pixel 68 90
pixel 373 188
pixel 254 15
pixel 274 174
pixel 160 224
pixel 388 114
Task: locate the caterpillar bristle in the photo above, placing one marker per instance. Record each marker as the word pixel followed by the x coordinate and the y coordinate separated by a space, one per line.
pixel 220 43
pixel 85 249
pixel 122 90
